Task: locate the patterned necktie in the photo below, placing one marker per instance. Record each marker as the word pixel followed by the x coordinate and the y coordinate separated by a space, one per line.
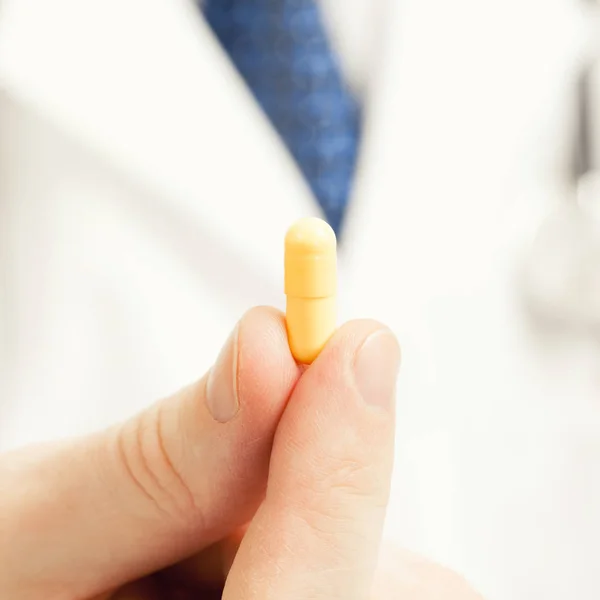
pixel 281 49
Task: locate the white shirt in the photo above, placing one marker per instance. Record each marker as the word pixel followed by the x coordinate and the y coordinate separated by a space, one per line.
pixel 354 26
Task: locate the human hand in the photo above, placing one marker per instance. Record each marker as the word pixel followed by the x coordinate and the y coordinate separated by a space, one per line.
pixel 261 477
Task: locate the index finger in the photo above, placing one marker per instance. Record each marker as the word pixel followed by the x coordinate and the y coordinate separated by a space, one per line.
pixel 90 514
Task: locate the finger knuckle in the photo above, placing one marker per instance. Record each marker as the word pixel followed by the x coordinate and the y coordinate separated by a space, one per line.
pixel 142 451
pixel 333 495
pixel 347 477
pixel 348 469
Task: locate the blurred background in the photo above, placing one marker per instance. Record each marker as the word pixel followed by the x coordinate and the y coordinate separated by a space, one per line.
pixel 153 154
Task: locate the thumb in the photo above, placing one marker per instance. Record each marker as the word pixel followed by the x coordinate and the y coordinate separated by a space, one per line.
pixel 317 533
pixel 79 518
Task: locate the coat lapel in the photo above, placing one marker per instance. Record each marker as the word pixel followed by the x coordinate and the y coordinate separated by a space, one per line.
pixel 146 85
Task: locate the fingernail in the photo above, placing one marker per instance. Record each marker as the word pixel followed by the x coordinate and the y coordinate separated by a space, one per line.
pixel 376 369
pixel 221 386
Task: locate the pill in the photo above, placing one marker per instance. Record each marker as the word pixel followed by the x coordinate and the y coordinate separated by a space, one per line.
pixel 310 287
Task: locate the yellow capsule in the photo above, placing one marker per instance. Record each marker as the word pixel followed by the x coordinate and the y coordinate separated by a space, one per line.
pixel 310 287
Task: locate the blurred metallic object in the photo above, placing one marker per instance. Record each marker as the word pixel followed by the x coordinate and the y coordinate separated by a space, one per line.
pixel 562 274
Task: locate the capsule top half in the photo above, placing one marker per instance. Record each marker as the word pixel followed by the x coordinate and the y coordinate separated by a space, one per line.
pixel 310 259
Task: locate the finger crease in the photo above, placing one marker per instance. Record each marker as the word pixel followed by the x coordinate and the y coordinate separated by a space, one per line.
pixel 187 492
pixel 125 461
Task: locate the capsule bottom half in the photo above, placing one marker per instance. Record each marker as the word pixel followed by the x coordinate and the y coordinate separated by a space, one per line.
pixel 310 324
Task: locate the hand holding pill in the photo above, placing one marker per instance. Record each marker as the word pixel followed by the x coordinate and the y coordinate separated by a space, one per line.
pixel 262 480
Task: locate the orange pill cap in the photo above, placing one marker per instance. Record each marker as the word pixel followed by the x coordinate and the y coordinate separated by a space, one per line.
pixel 310 259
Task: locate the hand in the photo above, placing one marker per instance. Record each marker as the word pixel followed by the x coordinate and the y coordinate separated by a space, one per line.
pixel 272 478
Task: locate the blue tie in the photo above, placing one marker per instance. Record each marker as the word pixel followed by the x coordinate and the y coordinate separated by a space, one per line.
pixel 281 49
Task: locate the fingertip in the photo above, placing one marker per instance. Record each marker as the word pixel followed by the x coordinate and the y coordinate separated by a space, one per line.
pixel 255 364
pixel 266 369
pixel 348 339
pixel 336 366
pixel 263 324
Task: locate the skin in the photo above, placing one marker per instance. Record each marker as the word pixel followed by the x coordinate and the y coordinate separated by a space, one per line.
pixel 283 499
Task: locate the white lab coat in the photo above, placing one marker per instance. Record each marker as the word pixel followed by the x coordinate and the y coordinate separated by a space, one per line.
pixel 143 202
